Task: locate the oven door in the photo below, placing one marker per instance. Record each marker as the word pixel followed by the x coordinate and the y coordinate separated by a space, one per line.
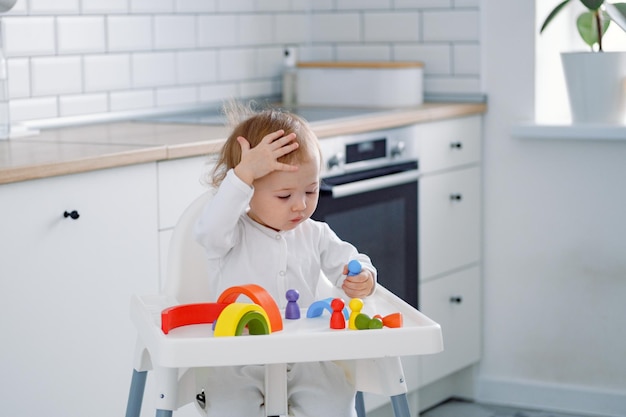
pixel 376 211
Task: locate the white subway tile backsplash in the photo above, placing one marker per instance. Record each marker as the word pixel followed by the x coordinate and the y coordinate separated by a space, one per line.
pixel 452 85
pixel 82 104
pixel 235 5
pixel 29 36
pixel 18 9
pixel 104 7
pixel 199 66
pixel 318 53
pixel 216 93
pixel 256 29
pixel 174 32
pixel 455 25
pixel 80 34
pixel 56 75
pixel 151 6
pixel 54 6
pixel 436 57
pixel 423 4
pixel 176 96
pixel 131 100
pixel 339 27
pixel 216 30
pixel 107 72
pixel 269 62
pixel 378 26
pixel 153 69
pixel 466 3
pixel 196 6
pixel 259 88
pixel 321 5
pixel 68 57
pixel 129 33
pixel 351 52
pixel 273 6
pixel 236 64
pixel 33 108
pixel 466 59
pixel 18 77
pixel 291 28
pixel 363 4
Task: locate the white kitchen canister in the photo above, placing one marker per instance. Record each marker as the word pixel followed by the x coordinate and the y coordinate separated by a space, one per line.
pixel 360 84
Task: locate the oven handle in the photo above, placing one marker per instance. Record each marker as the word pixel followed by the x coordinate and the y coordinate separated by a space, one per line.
pixel 372 184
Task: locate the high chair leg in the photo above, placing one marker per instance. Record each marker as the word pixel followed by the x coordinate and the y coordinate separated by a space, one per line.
pixel 400 405
pixel 135 395
pixel 359 404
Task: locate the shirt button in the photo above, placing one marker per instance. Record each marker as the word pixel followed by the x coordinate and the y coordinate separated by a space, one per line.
pixel 281 273
pixel 277 237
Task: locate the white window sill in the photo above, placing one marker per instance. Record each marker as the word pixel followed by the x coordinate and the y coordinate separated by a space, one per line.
pixel 533 130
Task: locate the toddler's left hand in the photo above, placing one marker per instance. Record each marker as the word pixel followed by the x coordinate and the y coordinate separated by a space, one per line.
pixel 358 286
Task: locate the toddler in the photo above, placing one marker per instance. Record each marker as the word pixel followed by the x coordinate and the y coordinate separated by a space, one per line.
pixel 257 229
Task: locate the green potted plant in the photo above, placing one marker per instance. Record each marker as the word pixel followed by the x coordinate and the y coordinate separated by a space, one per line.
pixel 595 79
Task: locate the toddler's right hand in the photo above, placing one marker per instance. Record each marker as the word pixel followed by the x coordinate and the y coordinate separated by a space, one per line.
pixel 259 161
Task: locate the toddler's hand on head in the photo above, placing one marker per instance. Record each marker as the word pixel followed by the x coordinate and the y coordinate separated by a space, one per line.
pixel 259 161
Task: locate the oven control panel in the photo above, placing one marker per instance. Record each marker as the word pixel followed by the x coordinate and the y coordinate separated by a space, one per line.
pixel 343 154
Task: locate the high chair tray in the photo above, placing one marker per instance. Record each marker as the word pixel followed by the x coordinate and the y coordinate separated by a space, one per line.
pixel 301 340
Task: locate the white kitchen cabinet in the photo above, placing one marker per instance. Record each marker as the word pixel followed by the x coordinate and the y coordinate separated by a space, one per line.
pixel 450 221
pixel 450 205
pixel 454 302
pixel 67 340
pixel 450 144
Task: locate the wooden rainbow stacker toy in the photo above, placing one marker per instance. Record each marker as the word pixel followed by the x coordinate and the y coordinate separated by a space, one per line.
pixel 304 340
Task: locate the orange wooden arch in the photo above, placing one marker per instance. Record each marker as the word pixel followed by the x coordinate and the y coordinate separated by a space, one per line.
pixel 260 296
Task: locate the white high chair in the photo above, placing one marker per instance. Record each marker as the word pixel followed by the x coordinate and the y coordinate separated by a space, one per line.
pixel 179 359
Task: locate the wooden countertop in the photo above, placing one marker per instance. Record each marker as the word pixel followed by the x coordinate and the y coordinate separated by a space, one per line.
pixel 71 150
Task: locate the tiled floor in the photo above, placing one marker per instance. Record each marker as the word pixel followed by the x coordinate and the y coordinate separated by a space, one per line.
pixel 455 408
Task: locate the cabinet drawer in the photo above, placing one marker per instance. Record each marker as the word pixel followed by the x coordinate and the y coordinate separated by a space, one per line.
pixel 454 302
pixel 180 182
pixel 450 143
pixel 449 221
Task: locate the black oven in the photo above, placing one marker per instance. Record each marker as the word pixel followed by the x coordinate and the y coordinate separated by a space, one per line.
pixel 375 209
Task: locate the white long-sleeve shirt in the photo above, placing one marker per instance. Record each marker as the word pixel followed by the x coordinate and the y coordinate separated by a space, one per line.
pixel 242 251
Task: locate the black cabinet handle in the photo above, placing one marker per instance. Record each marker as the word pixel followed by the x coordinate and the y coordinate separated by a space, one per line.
pixel 73 214
pixel 456 145
pixel 456 299
pixel 456 197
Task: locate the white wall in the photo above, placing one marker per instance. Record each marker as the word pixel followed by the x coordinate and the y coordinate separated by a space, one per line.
pixel 555 244
pixel 79 57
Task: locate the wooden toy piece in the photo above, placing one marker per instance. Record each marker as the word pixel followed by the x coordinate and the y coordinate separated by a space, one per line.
pixel 317 308
pixel 259 296
pixel 236 316
pixel 292 311
pixel 393 320
pixel 375 323
pixel 354 267
pixel 187 314
pixel 362 321
pixel 337 319
pixel 356 304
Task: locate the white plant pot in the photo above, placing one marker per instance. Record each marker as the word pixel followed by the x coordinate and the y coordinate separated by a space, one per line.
pixel 596 86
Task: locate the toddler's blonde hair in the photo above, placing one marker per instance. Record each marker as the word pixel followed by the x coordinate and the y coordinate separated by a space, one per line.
pixel 254 125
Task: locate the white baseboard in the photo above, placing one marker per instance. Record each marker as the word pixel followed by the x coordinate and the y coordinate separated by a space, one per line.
pixel 564 398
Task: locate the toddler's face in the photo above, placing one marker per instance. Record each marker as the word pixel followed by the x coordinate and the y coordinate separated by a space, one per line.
pixel 282 200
